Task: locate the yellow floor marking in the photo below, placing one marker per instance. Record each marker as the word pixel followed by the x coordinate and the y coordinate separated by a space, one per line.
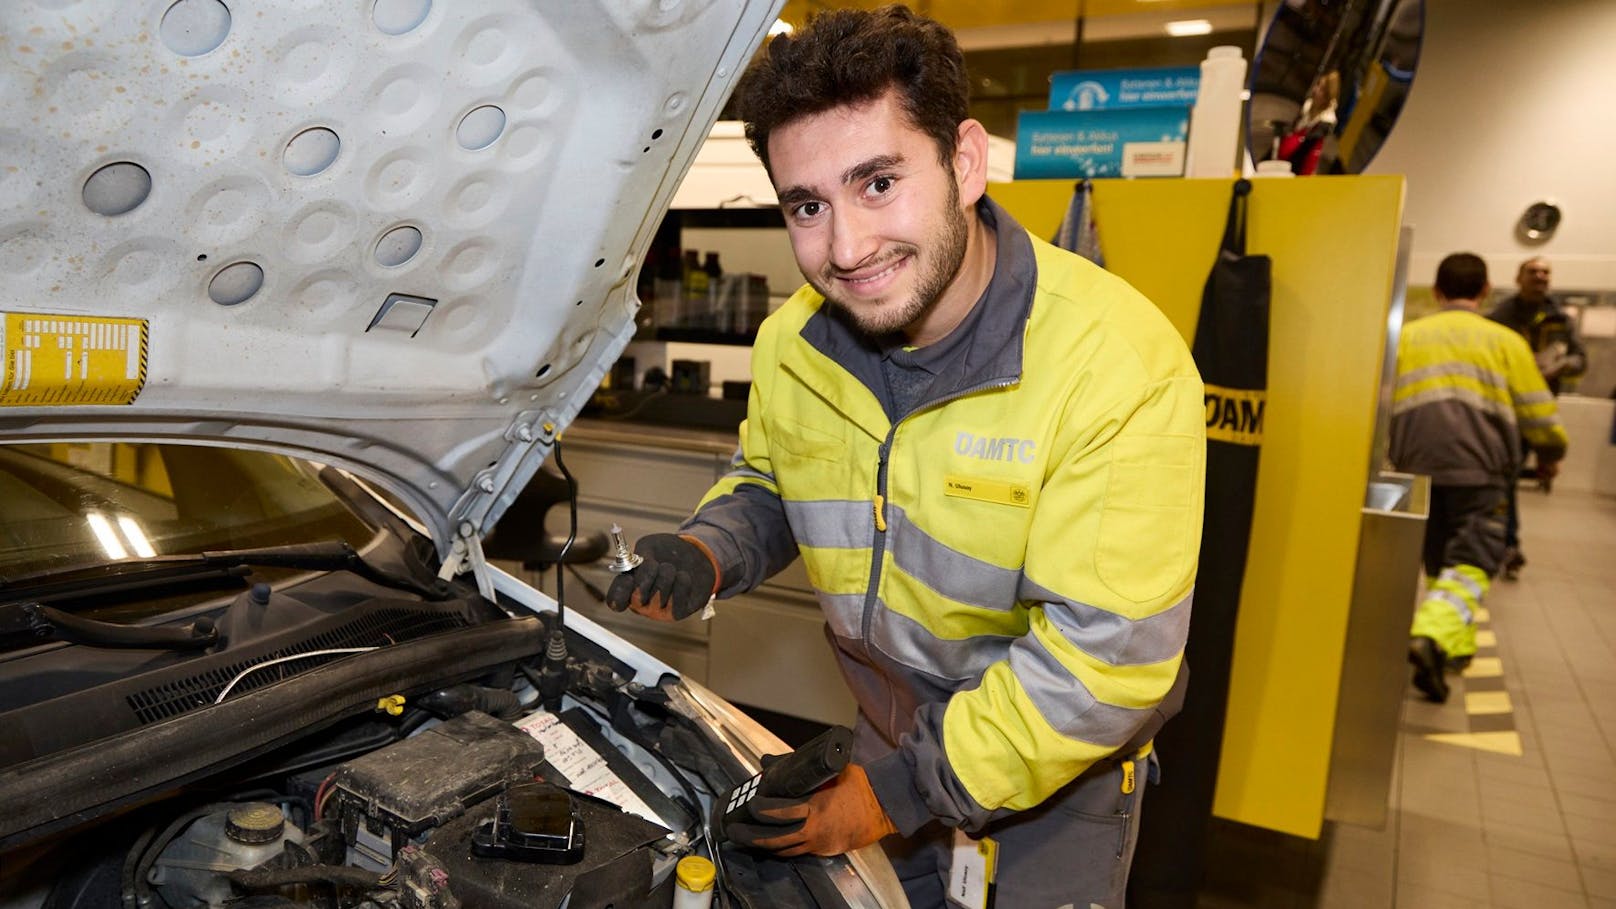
pixel 1485 638
pixel 1487 702
pixel 1497 742
pixel 1484 668
pixel 1482 615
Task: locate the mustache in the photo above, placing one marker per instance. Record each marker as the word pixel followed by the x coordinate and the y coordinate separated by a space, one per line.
pixel 886 258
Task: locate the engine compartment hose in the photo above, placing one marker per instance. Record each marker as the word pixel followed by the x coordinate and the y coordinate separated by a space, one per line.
pixel 455 700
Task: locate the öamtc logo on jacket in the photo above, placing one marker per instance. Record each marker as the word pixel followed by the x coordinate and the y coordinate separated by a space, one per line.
pixel 995 448
pixel 1235 414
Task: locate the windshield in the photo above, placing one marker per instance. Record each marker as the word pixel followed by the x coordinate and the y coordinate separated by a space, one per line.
pixel 65 506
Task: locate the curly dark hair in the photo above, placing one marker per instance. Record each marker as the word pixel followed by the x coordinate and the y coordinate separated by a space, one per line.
pixel 853 56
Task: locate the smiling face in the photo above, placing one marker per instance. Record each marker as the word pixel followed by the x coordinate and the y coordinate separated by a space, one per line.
pixel 879 226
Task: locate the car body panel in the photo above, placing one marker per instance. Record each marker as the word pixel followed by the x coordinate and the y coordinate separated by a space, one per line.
pixel 394 236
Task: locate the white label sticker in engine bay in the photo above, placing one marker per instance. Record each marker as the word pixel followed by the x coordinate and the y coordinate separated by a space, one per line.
pixel 585 770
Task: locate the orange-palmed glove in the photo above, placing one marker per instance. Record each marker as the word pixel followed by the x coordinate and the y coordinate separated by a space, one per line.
pixel 839 817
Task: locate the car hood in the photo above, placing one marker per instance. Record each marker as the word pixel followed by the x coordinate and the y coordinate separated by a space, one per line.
pixel 397 236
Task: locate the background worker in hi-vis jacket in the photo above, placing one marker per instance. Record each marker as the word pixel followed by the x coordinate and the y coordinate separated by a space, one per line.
pixel 1468 390
pixel 988 452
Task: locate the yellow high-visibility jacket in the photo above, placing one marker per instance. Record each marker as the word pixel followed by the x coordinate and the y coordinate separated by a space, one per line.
pixel 1006 571
pixel 1467 390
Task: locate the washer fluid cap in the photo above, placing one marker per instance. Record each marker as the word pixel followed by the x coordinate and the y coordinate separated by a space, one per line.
pixel 255 823
pixel 695 873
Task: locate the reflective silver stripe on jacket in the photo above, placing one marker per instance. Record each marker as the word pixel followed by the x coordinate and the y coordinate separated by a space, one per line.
pixel 949 572
pixel 842 613
pixel 915 646
pixel 1482 374
pixel 1502 411
pixel 1116 639
pixel 832 523
pixel 1065 702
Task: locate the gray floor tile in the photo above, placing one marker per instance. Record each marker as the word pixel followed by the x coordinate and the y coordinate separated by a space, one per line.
pixel 1374 855
pixel 1439 872
pixel 1459 804
pixel 1500 769
pixel 1600 882
pixel 1592 761
pixel 1592 830
pixel 1575 740
pixel 1558 874
pixel 1504 815
pixel 1548 845
pixel 1347 889
pixel 1417 896
pixel 1593 854
pixel 1576 783
pixel 1510 893
pixel 1588 806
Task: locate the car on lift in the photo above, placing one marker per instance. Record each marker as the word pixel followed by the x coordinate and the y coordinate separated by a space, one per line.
pixel 296 303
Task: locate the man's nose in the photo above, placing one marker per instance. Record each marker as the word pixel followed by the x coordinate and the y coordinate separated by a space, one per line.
pixel 852 238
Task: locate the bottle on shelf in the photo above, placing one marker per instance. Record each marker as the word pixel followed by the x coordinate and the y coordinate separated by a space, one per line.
pixel 1216 118
pixel 696 284
pixel 717 310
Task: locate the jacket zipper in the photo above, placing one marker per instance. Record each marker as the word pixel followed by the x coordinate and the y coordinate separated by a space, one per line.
pixel 878 542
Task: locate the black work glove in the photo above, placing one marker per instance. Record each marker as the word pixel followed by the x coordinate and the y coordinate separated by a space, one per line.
pixel 676 579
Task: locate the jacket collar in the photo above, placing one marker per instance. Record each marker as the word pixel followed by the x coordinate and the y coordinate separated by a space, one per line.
pixel 992 356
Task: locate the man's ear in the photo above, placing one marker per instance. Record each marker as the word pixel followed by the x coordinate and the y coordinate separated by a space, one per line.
pixel 971 161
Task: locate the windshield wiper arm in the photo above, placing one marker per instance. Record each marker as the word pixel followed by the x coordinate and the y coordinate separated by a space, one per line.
pixel 43 623
pixel 330 555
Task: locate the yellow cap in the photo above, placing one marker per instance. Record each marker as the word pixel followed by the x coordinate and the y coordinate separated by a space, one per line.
pixel 695 873
pixel 393 704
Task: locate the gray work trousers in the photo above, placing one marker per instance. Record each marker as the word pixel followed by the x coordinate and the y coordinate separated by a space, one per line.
pixel 1073 850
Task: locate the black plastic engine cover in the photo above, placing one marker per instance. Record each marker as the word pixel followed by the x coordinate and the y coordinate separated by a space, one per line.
pixel 432 777
pixel 613 871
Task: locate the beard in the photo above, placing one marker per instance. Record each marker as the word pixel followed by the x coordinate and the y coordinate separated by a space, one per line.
pixel 937 270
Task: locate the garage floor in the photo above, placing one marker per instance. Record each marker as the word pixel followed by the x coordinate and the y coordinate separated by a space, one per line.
pixel 1506 795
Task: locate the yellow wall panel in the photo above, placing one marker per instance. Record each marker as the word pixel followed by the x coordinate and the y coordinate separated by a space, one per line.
pixel 1333 242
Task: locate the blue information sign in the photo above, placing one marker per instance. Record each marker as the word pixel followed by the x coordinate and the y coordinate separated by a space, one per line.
pixel 1116 89
pixel 1139 142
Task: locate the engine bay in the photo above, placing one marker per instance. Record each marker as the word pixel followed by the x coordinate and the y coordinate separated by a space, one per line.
pixel 467 794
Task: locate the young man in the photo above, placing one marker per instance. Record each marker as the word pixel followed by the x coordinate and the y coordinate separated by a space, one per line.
pixel 988 452
pixel 1467 392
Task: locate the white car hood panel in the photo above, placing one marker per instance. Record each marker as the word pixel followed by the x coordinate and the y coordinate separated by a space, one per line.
pixel 289 166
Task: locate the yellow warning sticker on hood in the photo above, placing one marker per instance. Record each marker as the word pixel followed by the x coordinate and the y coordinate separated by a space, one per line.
pixel 54 361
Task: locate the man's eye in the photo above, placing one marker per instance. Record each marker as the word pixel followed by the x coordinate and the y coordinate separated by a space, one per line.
pixel 880 185
pixel 809 209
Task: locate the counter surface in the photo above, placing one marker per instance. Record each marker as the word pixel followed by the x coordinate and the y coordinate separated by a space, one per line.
pixel 631 433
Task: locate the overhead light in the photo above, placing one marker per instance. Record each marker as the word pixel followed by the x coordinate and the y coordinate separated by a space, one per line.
pixel 136 537
pixel 106 536
pixel 1184 28
pixel 780 27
